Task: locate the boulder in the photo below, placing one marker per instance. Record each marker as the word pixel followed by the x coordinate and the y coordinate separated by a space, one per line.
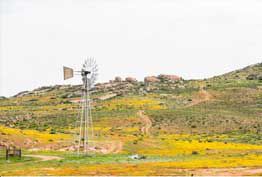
pixel 108 96
pixel 118 79
pixel 131 79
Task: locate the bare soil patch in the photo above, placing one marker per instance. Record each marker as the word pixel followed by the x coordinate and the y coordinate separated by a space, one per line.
pixel 45 157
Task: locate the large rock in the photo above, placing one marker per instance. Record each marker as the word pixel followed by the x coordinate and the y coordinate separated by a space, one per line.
pixel 118 79
pixel 149 79
pixel 171 78
pixel 131 79
pixel 108 96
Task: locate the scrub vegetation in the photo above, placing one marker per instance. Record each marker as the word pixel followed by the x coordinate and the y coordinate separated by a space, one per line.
pixel 202 127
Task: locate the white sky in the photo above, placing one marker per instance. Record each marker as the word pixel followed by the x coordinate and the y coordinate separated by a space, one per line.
pixel 190 38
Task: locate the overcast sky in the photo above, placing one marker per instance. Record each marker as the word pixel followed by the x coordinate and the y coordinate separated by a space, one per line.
pixel 190 38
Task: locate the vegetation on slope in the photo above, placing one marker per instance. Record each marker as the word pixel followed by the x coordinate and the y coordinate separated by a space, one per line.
pixel 206 123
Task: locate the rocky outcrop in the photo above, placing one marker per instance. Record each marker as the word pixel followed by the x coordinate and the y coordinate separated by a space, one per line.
pixel 150 79
pixel 118 88
pixel 21 94
pixel 171 78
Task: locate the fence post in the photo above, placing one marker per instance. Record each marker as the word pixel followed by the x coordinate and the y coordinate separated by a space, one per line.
pixel 20 153
pixel 6 154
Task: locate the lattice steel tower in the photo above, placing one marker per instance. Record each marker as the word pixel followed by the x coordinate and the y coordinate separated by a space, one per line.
pixel 84 123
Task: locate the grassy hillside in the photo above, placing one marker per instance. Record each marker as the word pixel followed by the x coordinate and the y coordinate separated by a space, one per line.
pixel 186 124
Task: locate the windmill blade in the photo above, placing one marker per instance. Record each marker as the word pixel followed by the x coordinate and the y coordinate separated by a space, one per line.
pixel 68 72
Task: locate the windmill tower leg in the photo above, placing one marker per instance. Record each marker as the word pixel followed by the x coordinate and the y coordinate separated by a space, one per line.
pixel 80 126
pixel 85 126
pixel 86 122
pixel 90 120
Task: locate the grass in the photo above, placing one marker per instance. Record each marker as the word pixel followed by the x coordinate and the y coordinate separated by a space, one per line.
pixel 123 165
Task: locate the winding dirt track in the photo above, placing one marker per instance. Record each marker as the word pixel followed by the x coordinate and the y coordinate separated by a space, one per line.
pixel 115 147
pixel 147 123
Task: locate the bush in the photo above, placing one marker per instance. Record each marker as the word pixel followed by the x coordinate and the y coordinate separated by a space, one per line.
pixel 252 77
pixel 66 102
pixel 135 141
pixel 259 77
pixel 52 131
pixel 195 153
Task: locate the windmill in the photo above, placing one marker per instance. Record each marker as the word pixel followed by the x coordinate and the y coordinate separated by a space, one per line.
pixel 89 73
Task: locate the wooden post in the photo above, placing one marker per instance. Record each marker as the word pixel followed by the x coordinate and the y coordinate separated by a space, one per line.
pixel 20 153
pixel 6 154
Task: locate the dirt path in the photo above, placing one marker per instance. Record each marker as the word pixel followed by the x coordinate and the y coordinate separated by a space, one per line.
pixel 147 123
pixel 203 96
pixel 44 157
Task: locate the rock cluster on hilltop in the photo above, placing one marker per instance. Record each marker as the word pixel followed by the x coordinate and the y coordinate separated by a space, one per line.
pixel 115 87
pixel 162 78
pixel 119 87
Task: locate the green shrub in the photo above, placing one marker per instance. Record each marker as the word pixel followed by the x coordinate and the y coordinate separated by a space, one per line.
pixel 195 153
pixel 52 131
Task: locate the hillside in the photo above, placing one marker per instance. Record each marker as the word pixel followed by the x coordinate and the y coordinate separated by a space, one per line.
pixel 195 123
